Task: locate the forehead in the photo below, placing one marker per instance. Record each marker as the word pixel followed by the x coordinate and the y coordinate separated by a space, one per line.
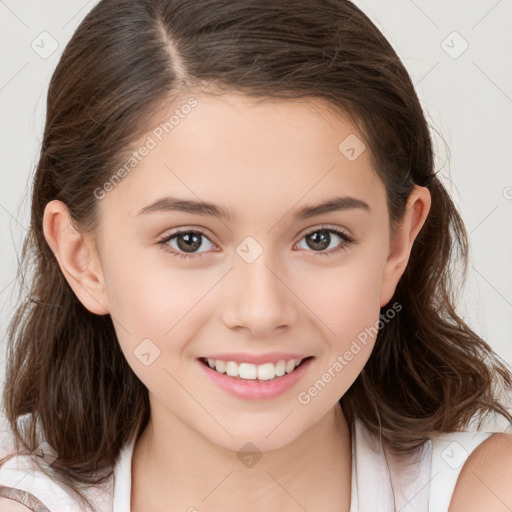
pixel 248 154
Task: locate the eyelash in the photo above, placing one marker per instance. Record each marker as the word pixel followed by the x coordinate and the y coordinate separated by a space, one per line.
pixel 342 246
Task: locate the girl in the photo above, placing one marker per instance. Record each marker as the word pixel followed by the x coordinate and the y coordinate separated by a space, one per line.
pixel 241 277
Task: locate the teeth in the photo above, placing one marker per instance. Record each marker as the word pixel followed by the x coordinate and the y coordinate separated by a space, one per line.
pixel 245 371
pixel 231 368
pixel 266 371
pixel 280 368
pixel 249 371
pixel 290 365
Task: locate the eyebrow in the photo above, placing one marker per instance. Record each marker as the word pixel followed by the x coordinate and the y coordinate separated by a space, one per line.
pixel 170 203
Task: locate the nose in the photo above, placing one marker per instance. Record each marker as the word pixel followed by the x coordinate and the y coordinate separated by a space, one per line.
pixel 260 298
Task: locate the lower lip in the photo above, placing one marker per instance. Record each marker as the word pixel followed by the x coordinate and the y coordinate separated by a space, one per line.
pixel 255 389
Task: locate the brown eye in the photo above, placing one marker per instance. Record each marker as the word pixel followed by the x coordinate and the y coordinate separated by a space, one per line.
pixel 321 239
pixel 188 242
pixel 185 244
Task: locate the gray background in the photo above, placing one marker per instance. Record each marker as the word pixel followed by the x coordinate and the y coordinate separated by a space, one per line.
pixel 466 93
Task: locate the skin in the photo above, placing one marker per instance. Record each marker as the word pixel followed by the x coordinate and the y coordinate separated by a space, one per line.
pixel 484 479
pixel 263 161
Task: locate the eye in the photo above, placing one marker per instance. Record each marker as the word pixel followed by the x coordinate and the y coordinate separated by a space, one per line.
pixel 321 239
pixel 187 243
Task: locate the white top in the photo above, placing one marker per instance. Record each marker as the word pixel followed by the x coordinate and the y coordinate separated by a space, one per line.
pixel 377 484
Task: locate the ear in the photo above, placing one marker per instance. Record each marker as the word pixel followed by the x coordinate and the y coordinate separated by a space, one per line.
pixel 77 257
pixel 416 212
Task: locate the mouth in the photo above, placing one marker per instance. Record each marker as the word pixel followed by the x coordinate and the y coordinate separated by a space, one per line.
pixel 252 372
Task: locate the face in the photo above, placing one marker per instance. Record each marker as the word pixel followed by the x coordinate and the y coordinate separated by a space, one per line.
pixel 257 277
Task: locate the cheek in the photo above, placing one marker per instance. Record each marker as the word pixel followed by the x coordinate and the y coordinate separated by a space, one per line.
pixel 346 298
pixel 345 303
pixel 149 297
pixel 155 316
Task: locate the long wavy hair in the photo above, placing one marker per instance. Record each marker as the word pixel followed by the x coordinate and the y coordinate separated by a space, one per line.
pixel 66 375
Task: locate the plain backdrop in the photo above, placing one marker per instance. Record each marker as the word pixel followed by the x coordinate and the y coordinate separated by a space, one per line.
pixel 458 56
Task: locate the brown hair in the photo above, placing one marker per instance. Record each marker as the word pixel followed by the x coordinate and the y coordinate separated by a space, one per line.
pixel 428 372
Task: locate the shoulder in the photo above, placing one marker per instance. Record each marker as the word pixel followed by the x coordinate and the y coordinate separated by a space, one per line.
pixel 12 506
pixel 13 499
pixel 23 487
pixel 19 501
pixel 485 480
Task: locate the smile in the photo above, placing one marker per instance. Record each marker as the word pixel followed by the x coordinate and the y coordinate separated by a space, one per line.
pixel 249 371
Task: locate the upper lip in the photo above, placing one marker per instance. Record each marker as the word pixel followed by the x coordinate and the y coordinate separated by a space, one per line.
pixel 269 357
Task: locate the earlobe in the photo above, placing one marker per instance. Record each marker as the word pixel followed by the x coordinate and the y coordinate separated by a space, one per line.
pixel 76 256
pixel 406 231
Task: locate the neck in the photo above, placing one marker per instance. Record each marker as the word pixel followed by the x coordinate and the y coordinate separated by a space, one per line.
pixel 185 471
